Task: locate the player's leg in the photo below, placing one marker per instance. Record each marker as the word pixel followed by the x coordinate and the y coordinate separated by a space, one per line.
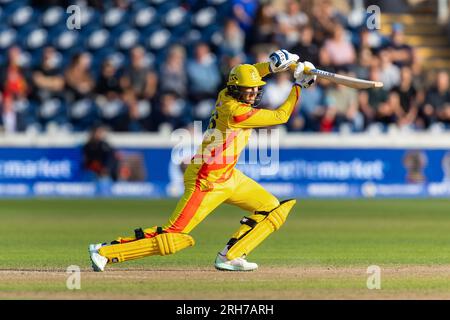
pixel 199 199
pixel 268 214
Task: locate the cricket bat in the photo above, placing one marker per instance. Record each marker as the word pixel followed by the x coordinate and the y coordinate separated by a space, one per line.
pixel 344 80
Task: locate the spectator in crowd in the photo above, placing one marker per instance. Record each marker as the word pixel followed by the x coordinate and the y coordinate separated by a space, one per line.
pixel 99 158
pixel 365 61
pixel 345 101
pixel 364 107
pixel 290 23
pixel 203 74
pixel 263 29
pixel 390 111
pixel 407 95
pixel 340 49
pixel 438 100
pixel 108 84
pixel 308 50
pixel 79 82
pixel 228 62
pixel 276 91
pixel 138 81
pixel 113 111
pixel 244 12
pixel 172 112
pixel 14 86
pixel 313 106
pixel 376 95
pixel 324 19
pixel 401 53
pixel 174 71
pixel 234 38
pixel 47 78
pixel 389 72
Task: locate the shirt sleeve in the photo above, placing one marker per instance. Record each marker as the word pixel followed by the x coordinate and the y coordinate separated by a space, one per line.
pixel 263 68
pixel 244 116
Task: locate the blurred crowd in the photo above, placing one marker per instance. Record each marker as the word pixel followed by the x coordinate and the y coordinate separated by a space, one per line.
pixel 180 86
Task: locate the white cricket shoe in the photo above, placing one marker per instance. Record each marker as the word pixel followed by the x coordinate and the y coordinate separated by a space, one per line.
pixel 238 264
pixel 98 261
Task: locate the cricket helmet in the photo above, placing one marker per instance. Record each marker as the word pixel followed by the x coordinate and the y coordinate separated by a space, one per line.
pixel 244 76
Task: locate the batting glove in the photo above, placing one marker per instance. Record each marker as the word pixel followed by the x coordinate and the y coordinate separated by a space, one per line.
pixel 301 78
pixel 280 60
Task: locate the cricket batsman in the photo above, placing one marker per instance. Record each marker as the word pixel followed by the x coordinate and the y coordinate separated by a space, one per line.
pixel 211 177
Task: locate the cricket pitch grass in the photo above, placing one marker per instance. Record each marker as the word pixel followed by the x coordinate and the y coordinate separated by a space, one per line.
pixel 322 252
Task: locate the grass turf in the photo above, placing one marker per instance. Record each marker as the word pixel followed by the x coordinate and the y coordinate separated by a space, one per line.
pixel 344 234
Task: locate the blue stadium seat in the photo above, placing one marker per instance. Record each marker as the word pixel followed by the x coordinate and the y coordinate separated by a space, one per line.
pixel 118 59
pixel 68 41
pixel 8 37
pixel 25 114
pixel 37 38
pixel 83 115
pixel 21 16
pixel 53 16
pixel 98 39
pixel 114 17
pixel 127 39
pixel 52 111
pixel 144 17
pixel 25 59
pixel 158 39
pixel 114 114
pixel 204 17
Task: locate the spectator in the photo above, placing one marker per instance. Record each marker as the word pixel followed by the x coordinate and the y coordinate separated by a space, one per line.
pixel 244 12
pixel 308 50
pixel 377 96
pixel 203 74
pixel 263 29
pixel 438 100
pixel 407 95
pixel 78 79
pixel 99 158
pixel 47 78
pixel 401 53
pixel 113 110
pixel 390 111
pixel 290 22
pixel 365 60
pixel 345 101
pixel 366 110
pixel 234 38
pixel 108 84
pixel 389 72
pixel 324 19
pixel 172 112
pixel 277 90
pixel 138 81
pixel 228 62
pixel 313 106
pixel 340 49
pixel 174 72
pixel 14 88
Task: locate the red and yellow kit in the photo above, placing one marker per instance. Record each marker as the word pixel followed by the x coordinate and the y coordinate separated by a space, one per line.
pixel 211 178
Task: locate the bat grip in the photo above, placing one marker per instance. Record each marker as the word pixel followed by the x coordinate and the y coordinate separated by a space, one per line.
pixel 294 66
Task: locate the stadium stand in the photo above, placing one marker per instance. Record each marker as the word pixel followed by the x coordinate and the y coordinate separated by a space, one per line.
pixel 141 66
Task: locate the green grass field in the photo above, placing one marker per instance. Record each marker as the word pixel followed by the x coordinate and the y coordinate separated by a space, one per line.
pixel 322 252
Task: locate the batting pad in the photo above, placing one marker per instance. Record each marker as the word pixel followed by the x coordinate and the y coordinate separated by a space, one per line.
pixel 163 244
pixel 250 238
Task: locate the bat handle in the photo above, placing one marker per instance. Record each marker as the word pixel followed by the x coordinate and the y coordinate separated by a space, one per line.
pixel 294 66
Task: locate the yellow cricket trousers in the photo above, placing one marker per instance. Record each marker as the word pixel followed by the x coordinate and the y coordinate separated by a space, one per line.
pixel 201 197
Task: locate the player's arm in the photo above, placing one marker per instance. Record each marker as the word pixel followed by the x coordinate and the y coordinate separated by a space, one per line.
pixel 280 60
pixel 245 116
